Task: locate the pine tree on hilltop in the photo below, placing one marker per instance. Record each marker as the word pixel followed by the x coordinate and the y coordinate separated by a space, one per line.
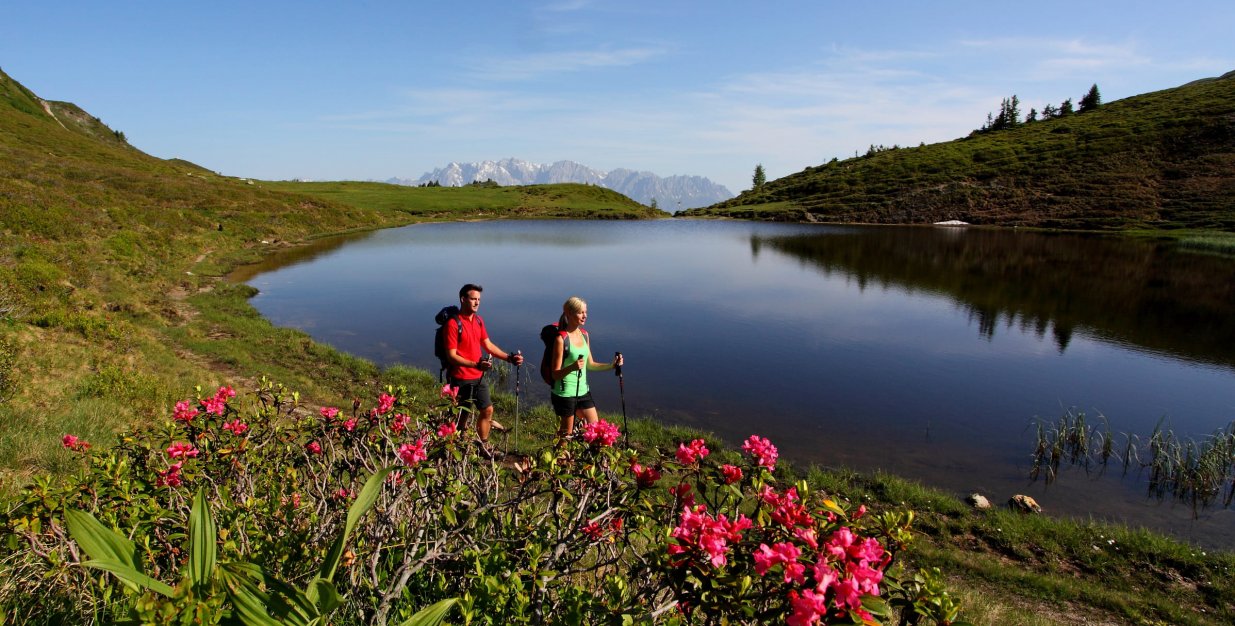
pixel 1092 100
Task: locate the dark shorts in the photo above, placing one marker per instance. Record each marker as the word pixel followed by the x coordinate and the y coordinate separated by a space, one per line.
pixel 567 406
pixel 473 394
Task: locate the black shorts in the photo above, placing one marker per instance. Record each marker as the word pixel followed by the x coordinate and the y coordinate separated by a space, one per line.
pixel 567 406
pixel 473 394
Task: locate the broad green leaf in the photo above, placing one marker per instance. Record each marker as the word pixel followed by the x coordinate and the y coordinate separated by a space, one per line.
pixel 203 544
pixel 327 595
pixel 102 543
pixel 431 615
pixel 278 600
pixel 131 577
pixel 876 606
pixel 364 501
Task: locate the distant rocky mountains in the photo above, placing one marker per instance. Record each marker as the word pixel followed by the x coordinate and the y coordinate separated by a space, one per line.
pixel 670 193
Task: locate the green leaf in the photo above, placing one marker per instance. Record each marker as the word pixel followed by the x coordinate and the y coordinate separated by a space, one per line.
pixel 278 600
pixel 876 606
pixel 328 598
pixel 203 544
pixel 431 615
pixel 364 501
pixel 131 577
pixel 102 543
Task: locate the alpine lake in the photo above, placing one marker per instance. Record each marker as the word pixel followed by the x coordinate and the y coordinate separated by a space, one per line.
pixel 932 353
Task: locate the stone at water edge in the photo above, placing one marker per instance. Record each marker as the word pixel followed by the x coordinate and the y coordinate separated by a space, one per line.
pixel 1024 504
pixel 978 501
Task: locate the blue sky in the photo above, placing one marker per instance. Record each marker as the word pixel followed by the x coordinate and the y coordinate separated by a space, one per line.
pixel 370 90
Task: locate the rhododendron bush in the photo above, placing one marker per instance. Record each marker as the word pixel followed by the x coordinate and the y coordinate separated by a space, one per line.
pixel 585 532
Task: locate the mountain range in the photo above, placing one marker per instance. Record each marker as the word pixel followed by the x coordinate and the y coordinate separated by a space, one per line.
pixel 670 193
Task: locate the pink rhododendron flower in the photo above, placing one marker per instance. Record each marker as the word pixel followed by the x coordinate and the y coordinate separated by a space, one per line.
pixel 385 402
pixel 181 449
pixel 645 477
pixel 785 554
pixel 700 534
pixel 413 453
pixel 342 494
pixel 808 607
pixel 236 427
pixel 786 509
pixel 764 452
pixel 807 536
pixel 329 412
pixel 693 453
pixel 857 515
pixel 184 412
pixel 601 432
pixel 215 405
pixel 446 430
pixel 75 443
pixel 399 422
pixel 683 494
pixel 450 391
pixel 592 530
pixel 349 424
pixel 313 447
pixel 170 477
pixel 732 473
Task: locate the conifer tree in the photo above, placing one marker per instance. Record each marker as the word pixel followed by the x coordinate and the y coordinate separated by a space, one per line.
pixel 1092 100
pixel 1065 108
pixel 759 178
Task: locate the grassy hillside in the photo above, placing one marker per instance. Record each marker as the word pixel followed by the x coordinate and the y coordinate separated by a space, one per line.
pixel 108 303
pixel 567 200
pixel 112 309
pixel 1159 160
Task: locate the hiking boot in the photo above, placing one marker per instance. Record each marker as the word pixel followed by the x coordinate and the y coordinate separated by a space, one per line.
pixel 497 427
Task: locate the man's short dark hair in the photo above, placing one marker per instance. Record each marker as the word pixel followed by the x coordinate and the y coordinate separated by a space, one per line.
pixel 470 287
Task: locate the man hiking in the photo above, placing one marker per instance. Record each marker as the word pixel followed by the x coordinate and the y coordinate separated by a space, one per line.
pixel 466 341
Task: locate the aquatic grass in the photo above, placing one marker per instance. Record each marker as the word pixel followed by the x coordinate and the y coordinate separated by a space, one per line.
pixel 1200 473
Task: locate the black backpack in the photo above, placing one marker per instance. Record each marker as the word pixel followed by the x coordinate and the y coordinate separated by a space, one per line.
pixel 439 337
pixel 547 334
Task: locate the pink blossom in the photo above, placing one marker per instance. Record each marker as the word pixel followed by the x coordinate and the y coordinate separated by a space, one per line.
pixel 808 607
pixel 184 412
pixel 601 432
pixel 313 447
pixel 700 534
pixel 236 427
pixel 413 453
pixel 593 530
pixel 446 430
pixel 857 515
pixel 399 422
pixel 867 550
pixel 225 392
pixel 785 554
pixel 645 477
pixel 74 443
pixel 341 494
pixel 181 449
pixel 762 450
pixel 349 424
pixel 807 536
pixel 786 510
pixel 683 494
pixel 450 391
pixel 848 596
pixel 329 412
pixel 385 402
pixel 838 544
pixel 695 452
pixel 732 473
pixel 170 477
pixel 215 405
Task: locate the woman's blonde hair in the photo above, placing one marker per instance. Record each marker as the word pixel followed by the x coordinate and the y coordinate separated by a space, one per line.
pixel 574 304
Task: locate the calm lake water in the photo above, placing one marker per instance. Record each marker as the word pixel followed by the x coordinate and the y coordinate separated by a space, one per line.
pixel 926 352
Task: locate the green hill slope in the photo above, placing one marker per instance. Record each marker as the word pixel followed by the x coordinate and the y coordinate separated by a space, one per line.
pixel 104 251
pixel 1159 160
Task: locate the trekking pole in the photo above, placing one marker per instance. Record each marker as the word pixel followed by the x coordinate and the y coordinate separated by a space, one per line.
pixel 518 369
pixel 617 369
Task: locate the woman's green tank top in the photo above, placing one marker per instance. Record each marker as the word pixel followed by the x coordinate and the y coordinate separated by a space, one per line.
pixel 575 383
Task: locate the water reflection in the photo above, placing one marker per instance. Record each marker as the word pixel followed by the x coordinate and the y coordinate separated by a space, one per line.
pixel 921 351
pixel 1140 294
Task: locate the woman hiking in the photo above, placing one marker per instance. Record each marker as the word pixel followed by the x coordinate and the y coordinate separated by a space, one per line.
pixel 572 359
